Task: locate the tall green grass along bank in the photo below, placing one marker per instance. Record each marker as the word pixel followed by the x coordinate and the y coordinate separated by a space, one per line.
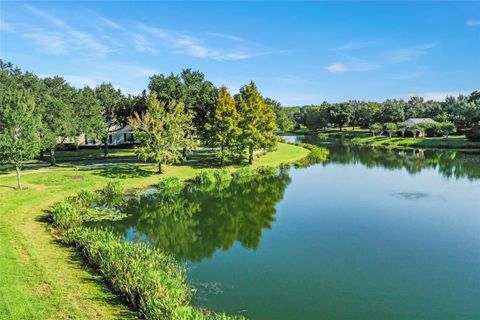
pixel 149 280
pixel 316 155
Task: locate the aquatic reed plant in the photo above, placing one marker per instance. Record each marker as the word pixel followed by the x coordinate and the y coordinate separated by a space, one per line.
pixel 170 183
pixel 267 171
pixel 204 177
pixel 150 281
pixel 244 173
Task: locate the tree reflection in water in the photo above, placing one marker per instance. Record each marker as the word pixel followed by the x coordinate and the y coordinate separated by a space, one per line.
pixel 449 163
pixel 193 223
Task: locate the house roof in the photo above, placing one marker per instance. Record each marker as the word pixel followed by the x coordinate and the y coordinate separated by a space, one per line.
pixel 420 120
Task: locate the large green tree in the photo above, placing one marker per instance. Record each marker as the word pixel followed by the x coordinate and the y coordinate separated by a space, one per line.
pixel 392 111
pixel 161 131
pixel 59 123
pixel 222 128
pixel 112 102
pixel 282 120
pixel 340 114
pixel 193 90
pixel 19 125
pixel 88 114
pixel 257 121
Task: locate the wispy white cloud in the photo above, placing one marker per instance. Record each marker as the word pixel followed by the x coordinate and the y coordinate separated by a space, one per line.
pixel 67 38
pixel 109 23
pixel 355 45
pixel 337 67
pixel 473 22
pixel 50 42
pixel 235 48
pixel 4 26
pixel 192 46
pixel 142 44
pixel 400 55
pixel 225 36
pixel 352 64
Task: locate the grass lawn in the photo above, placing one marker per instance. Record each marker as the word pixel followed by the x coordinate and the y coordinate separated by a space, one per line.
pixel 41 279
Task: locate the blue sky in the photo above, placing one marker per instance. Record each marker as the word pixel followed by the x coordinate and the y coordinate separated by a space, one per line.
pixel 297 52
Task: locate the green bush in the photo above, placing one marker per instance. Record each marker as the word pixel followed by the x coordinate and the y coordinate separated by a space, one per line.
pixel 222 175
pixel 316 155
pixel 84 199
pixel 65 215
pixel 170 183
pixel 204 177
pixel 244 173
pixel 111 190
pixel 267 170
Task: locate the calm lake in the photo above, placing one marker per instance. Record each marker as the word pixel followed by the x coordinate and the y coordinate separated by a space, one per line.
pixel 368 234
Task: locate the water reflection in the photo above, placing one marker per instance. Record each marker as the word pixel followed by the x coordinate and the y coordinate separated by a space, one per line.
pixel 449 163
pixel 193 223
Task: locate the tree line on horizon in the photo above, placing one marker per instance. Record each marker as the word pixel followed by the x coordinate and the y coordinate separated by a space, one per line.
pixel 461 113
pixel 176 114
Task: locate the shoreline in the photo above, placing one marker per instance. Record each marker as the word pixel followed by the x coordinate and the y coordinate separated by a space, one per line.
pixel 59 283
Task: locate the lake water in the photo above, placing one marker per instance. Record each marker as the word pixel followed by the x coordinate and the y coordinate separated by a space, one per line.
pixel 368 234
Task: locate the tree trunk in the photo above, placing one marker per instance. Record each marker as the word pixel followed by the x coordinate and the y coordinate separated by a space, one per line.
pixel 340 126
pixel 53 161
pixel 250 155
pixel 19 180
pixel 221 156
pixel 184 153
pixel 42 155
pixel 160 170
pixel 105 149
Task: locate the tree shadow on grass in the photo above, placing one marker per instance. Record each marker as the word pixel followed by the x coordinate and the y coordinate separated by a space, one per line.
pixel 123 172
pixel 8 187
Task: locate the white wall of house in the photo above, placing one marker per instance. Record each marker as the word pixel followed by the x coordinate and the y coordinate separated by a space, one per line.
pixel 118 136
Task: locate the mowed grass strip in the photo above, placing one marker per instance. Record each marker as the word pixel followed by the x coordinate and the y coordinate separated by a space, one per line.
pixel 41 279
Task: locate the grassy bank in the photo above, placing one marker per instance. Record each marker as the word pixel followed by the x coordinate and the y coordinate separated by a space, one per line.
pixel 454 142
pixel 41 279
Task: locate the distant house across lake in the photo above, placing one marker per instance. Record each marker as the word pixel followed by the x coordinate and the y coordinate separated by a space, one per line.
pixel 412 125
pixel 416 121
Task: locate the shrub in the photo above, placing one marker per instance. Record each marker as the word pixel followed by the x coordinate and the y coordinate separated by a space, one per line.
pixel 316 155
pixel 65 215
pixel 376 128
pixel 170 183
pixel 84 199
pixel 267 170
pixel 244 173
pixel 111 190
pixel 205 177
pixel 222 175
